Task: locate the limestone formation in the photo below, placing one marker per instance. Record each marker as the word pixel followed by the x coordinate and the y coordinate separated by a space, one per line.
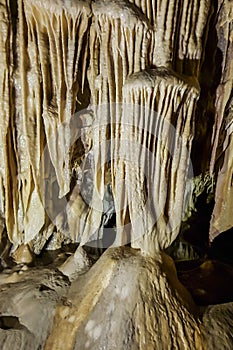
pixel 76 264
pixel 159 132
pixel 222 160
pixel 125 301
pixel 139 309
pixel 115 130
pixel 49 65
pixel 48 53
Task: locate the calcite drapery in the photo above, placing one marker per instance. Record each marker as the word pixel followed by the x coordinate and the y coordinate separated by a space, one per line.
pixel 222 136
pixel 45 58
pixel 177 40
pixel 133 150
pixel 50 65
pixel 7 161
pixel 121 40
pixel 151 146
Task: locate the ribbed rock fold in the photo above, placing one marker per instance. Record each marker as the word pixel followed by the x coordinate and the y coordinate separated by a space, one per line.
pixel 151 157
pixel 222 139
pixel 49 73
pixel 59 57
pixel 176 38
pixel 7 166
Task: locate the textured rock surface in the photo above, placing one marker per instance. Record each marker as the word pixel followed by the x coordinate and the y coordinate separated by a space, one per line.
pixel 125 301
pixel 121 304
pixel 155 156
pixel 48 50
pixel 115 119
pixel 48 65
pixel 222 218
pixel 76 264
pixel 28 300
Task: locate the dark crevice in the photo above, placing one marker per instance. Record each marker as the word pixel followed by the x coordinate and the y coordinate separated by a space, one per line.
pixel 10 322
pixel 210 76
pixel 206 271
pixel 44 288
pixel 222 247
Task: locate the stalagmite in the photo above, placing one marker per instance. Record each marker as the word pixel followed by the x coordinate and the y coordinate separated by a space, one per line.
pixel 139 320
pixel 23 255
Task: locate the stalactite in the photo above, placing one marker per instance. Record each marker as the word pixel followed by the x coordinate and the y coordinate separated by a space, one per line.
pixel 176 38
pixel 29 136
pixel 191 36
pixel 57 32
pixel 121 43
pixel 8 188
pixel 49 73
pixel 152 159
pixel 222 140
pixel 119 172
pixel 149 8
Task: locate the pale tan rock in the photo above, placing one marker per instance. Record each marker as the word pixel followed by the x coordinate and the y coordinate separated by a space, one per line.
pixel 23 254
pixel 176 37
pixel 130 299
pixel 7 167
pixel 77 263
pixel 222 218
pixel 222 139
pixel 49 72
pixel 121 43
pixel 27 305
pixel 153 157
pixel 127 301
